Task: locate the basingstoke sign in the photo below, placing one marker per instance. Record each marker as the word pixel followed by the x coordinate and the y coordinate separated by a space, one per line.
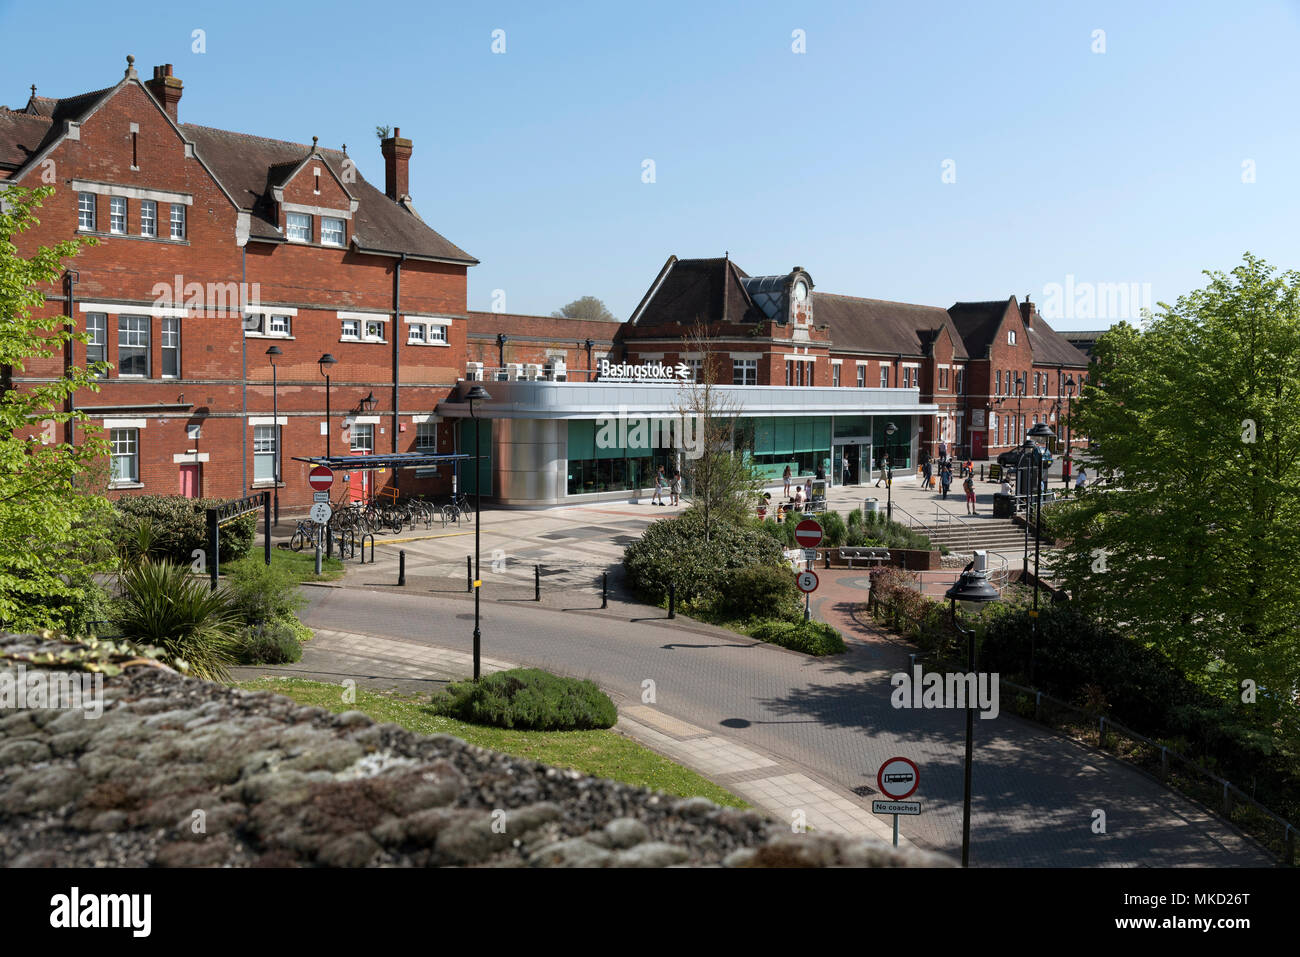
pixel 644 372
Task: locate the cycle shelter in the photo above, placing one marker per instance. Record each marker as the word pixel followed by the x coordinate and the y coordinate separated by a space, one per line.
pixel 383 461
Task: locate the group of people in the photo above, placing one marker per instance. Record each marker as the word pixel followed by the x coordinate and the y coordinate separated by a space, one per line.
pixel 673 485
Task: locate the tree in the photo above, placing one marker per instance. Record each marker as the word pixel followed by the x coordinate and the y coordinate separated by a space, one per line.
pixel 53 527
pixel 720 483
pixel 1189 541
pixel 588 307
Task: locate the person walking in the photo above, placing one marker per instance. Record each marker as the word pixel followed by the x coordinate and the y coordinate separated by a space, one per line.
pixel 676 488
pixel 786 478
pixel 820 472
pixel 844 468
pixel 927 472
pixel 807 491
pixel 658 497
pixel 1080 480
pixel 945 478
pixel 969 485
pixel 884 469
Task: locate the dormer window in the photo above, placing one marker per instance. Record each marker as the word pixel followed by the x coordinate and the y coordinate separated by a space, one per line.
pixel 297 227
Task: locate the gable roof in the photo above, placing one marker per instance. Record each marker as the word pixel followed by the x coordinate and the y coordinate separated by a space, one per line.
pixel 880 326
pixel 710 290
pixel 1052 348
pixel 26 132
pixel 249 166
pixel 978 322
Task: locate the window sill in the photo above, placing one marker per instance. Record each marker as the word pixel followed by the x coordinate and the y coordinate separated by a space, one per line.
pixel 417 342
pixel 267 335
pixel 117 485
pixel 267 485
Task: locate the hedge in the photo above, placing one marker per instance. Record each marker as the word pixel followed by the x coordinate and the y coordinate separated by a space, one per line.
pixel 529 699
pixel 673 550
pixel 810 637
pixel 757 591
pixel 181 526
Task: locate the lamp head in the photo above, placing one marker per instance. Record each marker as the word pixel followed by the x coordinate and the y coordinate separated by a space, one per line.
pixel 273 352
pixel 325 362
pixel 477 394
pixel 890 429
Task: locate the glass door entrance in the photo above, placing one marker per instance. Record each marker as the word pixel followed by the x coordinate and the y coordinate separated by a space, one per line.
pixel 851 463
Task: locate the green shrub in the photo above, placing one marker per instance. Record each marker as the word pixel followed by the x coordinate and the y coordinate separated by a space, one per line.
pixel 179 526
pixel 833 530
pixel 810 637
pixel 757 591
pixel 163 605
pixel 529 699
pixel 263 592
pixel 855 518
pixel 268 643
pixel 674 550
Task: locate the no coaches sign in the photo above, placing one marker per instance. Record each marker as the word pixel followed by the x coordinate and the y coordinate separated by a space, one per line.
pixel 898 778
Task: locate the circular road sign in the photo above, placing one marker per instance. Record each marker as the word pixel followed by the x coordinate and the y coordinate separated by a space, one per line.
pixel 807 581
pixel 320 478
pixel 321 512
pixel 808 533
pixel 898 778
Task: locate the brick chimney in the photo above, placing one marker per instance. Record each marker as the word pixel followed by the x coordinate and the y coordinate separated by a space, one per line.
pixel 397 162
pixel 166 89
pixel 1028 312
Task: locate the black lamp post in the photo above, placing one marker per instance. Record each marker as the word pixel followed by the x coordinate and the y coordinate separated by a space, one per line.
pixel 590 344
pixel 502 339
pixel 275 421
pixel 1026 449
pixel 974 592
pixel 890 429
pixel 324 362
pixel 1044 432
pixel 1069 449
pixel 476 394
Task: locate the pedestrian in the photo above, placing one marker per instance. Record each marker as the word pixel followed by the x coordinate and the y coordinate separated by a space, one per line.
pixel 676 488
pixel 807 491
pixel 969 468
pixel 1080 480
pixel 658 497
pixel 969 485
pixel 786 477
pixel 927 472
pixel 844 466
pixel 945 478
pixel 884 469
pixel 943 451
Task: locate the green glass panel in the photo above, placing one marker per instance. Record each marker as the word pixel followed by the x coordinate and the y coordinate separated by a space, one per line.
pixel 582 440
pixel 783 440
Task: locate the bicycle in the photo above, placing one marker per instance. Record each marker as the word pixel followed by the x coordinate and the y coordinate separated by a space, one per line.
pixel 305 534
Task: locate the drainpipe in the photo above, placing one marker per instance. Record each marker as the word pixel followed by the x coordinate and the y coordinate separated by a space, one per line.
pixel 243 387
pixel 589 344
pixel 397 373
pixel 72 277
pixel 502 339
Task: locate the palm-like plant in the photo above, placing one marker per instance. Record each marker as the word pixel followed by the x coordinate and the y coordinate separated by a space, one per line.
pixel 163 605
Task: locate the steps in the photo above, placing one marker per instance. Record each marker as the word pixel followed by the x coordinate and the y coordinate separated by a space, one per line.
pixel 994 534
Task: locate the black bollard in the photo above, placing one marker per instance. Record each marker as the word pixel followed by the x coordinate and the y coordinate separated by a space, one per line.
pixel 469 573
pixel 604 590
pixel 537 583
pixel 401 567
pixel 672 600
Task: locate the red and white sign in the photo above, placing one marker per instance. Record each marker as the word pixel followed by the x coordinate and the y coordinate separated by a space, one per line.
pixel 898 778
pixel 320 478
pixel 807 581
pixel 808 533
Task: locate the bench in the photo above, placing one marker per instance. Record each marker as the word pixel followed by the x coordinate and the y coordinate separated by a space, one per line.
pixel 869 556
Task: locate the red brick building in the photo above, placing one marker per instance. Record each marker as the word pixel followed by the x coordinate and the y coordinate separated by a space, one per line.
pixel 215 246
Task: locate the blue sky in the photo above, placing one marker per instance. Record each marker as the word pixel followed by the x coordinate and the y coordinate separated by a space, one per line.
pixel 1117 167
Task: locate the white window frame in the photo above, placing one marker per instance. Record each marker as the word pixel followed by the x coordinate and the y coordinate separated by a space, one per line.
pixel 117 213
pixel 436 333
pixel 359 429
pixel 884 376
pixel 131 332
pixel 149 218
pixel 277 325
pixel 266 441
pixel 169 329
pixel 835 373
pixel 746 367
pixel 124 445
pixel 177 221
pixel 1011 337
pixel 355 326
pixel 415 333
pixel 86 211
pixel 329 226
pixel 97 330
pixel 297 227
pixel 368 336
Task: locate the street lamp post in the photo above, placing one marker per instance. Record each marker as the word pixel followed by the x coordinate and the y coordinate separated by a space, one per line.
pixel 1044 432
pixel 502 339
pixel 590 344
pixel 890 429
pixel 275 425
pixel 1069 449
pixel 974 592
pixel 476 394
pixel 324 363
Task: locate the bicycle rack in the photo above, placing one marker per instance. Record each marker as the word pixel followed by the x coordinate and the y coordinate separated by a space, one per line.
pixel 369 535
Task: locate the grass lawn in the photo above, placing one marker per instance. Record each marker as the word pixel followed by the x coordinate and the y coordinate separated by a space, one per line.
pixel 302 564
pixel 602 754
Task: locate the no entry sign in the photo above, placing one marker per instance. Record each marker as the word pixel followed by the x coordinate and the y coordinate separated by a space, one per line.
pixel 808 533
pixel 320 478
pixel 898 778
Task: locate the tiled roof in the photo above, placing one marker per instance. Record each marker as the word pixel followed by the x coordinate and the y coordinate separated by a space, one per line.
pixel 247 166
pixel 22 135
pixel 880 326
pixel 978 322
pixel 1052 348
pixel 488 324
pixel 707 290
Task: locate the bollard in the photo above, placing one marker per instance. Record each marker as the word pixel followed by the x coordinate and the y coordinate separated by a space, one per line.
pixel 672 600
pixel 1227 800
pixel 604 590
pixel 469 573
pixel 1164 763
pixel 401 567
pixel 1038 704
pixel 537 583
pixel 318 558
